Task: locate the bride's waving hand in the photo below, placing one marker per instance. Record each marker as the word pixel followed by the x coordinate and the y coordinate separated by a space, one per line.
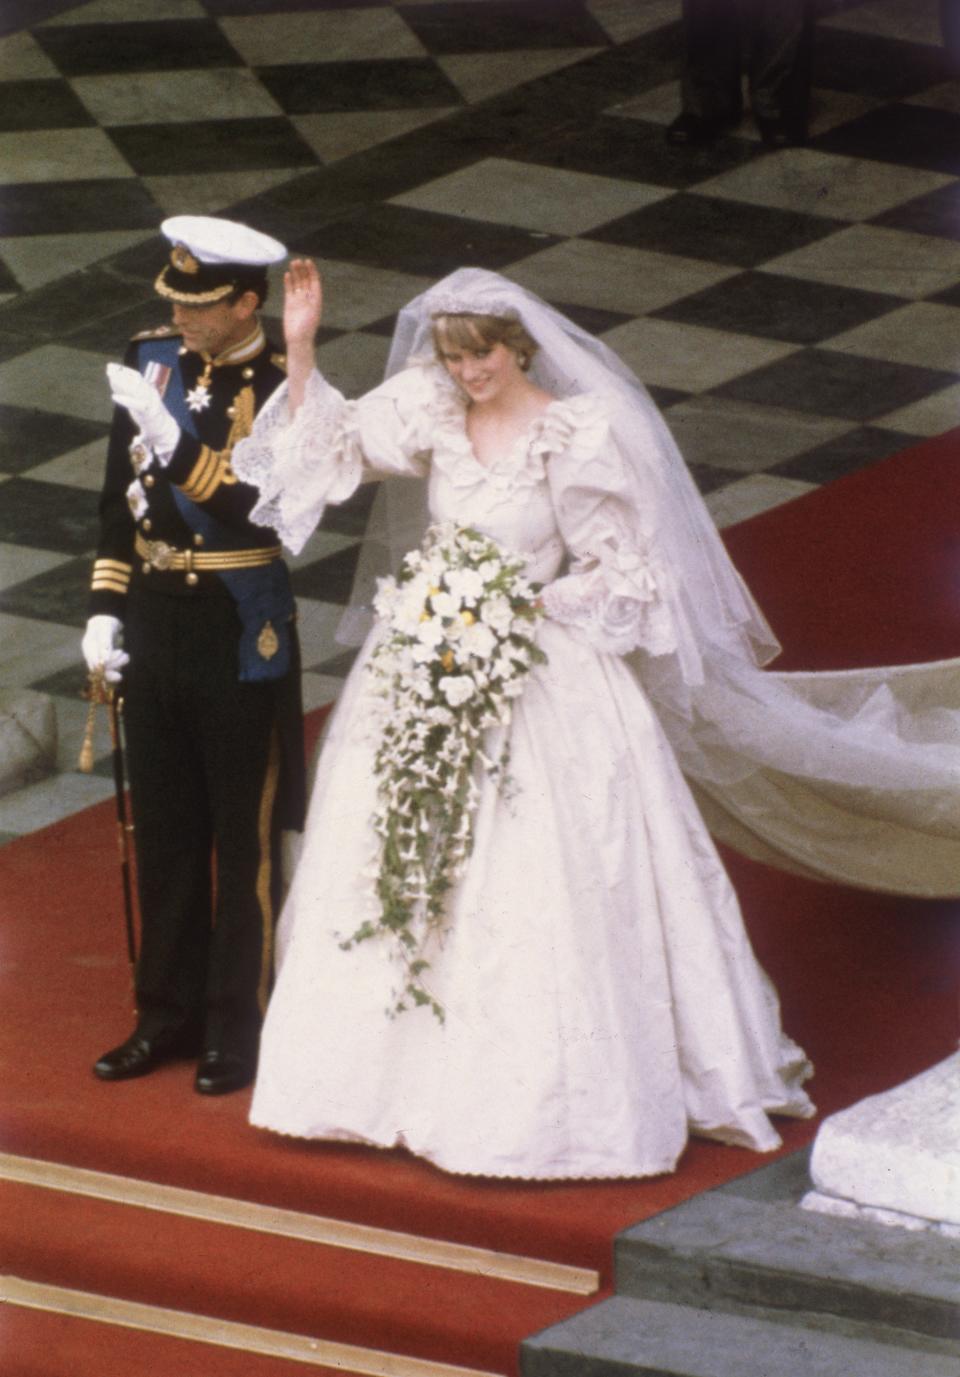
pixel 302 314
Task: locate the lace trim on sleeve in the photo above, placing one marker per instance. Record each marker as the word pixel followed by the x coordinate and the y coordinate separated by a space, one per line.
pixel 300 463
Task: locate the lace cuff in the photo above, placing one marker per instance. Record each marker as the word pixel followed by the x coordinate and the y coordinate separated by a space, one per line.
pixel 300 463
pixel 614 599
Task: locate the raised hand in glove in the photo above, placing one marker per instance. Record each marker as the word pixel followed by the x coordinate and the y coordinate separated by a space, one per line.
pixel 101 647
pixel 158 429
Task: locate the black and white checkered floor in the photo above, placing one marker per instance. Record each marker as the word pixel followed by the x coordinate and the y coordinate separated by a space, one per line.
pixel 797 314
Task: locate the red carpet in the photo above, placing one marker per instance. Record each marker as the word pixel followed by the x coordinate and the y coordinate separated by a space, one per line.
pixel 865 571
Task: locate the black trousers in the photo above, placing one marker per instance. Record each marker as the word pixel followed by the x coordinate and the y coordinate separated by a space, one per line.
pixel 203 761
pixel 771 40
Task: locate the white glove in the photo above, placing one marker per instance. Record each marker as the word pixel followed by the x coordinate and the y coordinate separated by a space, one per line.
pixel 158 429
pixel 101 647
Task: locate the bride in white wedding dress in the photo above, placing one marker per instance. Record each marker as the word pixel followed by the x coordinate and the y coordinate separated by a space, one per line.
pixel 600 996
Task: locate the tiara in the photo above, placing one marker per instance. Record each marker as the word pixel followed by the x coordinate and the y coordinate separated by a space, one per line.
pixel 452 304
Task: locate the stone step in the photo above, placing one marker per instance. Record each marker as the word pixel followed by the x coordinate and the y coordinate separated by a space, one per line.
pixel 627 1337
pixel 726 1251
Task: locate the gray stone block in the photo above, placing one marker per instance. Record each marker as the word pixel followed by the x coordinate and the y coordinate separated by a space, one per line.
pixel 28 738
pixel 625 1337
pixel 720 1251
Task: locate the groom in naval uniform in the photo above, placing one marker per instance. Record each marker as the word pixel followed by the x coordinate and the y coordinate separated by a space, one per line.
pixel 191 604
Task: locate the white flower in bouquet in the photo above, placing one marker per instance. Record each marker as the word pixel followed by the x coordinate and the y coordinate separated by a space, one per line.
pixel 478 640
pixel 457 690
pixel 457 644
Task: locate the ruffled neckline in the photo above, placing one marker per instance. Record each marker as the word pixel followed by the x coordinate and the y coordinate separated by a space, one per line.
pixel 523 463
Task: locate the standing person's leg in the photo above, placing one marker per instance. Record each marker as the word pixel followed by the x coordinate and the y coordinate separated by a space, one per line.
pixel 173 841
pixel 779 57
pixel 710 87
pixel 238 727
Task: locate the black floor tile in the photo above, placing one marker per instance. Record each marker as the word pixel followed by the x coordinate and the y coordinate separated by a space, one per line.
pixel 48 516
pixel 937 213
pixel 950 297
pixel 333 87
pixel 69 682
pixel 612 146
pixel 254 7
pixel 423 242
pixel 159 150
pixel 28 438
pixel 47 104
pixel 782 308
pixel 870 65
pixel 59 595
pixel 12 345
pixel 350 517
pixel 21 14
pixel 329 579
pixel 486 26
pixel 592 318
pixel 715 230
pixel 77 207
pixel 8 283
pixel 108 334
pixel 911 135
pixel 665 397
pixel 830 383
pixel 54 311
pixel 847 453
pixel 709 478
pixel 339 666
pixel 147 46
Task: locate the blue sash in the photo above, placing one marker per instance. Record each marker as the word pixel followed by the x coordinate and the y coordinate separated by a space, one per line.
pixel 262 595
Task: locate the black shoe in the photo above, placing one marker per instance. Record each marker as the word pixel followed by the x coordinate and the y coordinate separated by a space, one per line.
pixel 691 131
pixel 140 1055
pixel 779 133
pixel 221 1072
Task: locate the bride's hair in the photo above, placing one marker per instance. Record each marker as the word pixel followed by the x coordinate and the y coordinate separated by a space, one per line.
pixel 462 330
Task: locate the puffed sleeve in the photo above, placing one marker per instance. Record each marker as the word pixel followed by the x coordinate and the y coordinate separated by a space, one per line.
pixel 617 592
pixel 321 454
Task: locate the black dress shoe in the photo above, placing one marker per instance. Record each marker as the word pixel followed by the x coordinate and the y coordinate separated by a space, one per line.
pixel 779 133
pixel 221 1072
pixel 691 131
pixel 140 1055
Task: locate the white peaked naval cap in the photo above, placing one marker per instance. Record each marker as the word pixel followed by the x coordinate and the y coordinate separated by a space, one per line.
pixel 212 240
pixel 211 258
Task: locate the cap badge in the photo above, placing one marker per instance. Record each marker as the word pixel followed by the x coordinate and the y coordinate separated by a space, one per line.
pixel 183 259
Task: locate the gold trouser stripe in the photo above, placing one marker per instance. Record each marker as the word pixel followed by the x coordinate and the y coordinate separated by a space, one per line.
pixel 331 1233
pixel 265 872
pixel 206 475
pixel 245 1338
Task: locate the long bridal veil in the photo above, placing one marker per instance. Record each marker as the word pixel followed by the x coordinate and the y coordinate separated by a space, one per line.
pixel 852 776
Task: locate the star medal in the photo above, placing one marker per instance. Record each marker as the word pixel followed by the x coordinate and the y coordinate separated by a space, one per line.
pixel 198 398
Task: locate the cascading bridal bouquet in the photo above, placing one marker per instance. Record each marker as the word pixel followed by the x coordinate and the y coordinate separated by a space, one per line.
pixel 457 646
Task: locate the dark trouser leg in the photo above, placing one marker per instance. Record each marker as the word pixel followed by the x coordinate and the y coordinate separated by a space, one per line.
pixel 242 761
pixel 172 824
pixel 712 60
pixel 779 57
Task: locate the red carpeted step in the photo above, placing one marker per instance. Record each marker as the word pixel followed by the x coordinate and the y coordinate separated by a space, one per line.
pixel 150 1257
pixel 37 1343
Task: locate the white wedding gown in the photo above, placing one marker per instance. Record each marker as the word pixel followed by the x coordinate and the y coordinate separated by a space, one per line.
pixel 601 997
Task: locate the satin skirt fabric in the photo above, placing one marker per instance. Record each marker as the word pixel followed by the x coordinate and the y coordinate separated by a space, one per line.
pixel 601 997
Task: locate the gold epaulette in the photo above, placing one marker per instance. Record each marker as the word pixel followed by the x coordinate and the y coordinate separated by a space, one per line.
pixel 110 576
pixel 159 332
